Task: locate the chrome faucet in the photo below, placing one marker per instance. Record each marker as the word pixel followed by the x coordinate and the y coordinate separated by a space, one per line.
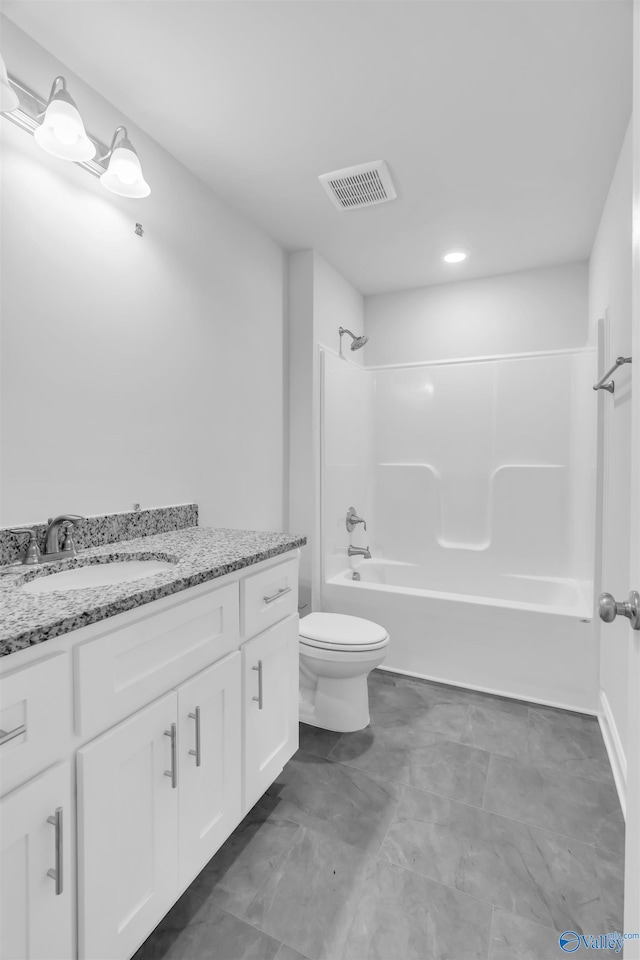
pixel 352 519
pixel 52 548
pixel 359 552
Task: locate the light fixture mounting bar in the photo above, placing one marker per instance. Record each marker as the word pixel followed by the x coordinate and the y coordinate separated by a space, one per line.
pixel 27 118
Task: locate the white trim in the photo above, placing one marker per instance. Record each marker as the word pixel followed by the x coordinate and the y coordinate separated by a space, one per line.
pixel 615 750
pixel 491 690
pixel 500 356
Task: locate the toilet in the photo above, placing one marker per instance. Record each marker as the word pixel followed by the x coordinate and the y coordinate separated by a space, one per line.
pixel 337 653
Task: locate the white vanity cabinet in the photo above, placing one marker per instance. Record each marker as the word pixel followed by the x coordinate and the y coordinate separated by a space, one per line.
pixel 127 832
pixel 209 763
pixel 270 666
pixel 170 721
pixel 36 882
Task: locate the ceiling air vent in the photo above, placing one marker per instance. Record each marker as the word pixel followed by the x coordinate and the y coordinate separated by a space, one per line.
pixel 361 186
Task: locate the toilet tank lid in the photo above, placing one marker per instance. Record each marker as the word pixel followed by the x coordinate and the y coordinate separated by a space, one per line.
pixel 341 629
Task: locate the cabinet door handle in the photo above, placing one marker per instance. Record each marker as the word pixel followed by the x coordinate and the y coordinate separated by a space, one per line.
pixel 276 596
pixel 12 734
pixel 173 773
pixel 56 872
pixel 258 699
pixel 196 753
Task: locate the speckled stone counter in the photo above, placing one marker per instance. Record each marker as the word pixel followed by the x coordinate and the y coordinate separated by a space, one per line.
pixel 200 554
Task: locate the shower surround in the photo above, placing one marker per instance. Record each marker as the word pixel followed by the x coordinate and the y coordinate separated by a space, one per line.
pixel 477 481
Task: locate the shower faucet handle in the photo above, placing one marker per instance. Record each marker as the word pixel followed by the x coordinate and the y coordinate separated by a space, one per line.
pixel 352 520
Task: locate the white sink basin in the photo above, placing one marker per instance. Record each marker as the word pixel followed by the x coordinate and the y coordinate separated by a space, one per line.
pixel 96 575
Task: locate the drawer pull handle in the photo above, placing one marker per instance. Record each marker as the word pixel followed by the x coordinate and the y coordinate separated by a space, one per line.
pixel 196 753
pixel 12 734
pixel 173 773
pixel 258 699
pixel 276 596
pixel 56 874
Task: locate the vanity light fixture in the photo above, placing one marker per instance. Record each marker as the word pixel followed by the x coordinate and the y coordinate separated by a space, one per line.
pixel 62 132
pixel 124 173
pixel 8 97
pixel 58 128
pixel 455 256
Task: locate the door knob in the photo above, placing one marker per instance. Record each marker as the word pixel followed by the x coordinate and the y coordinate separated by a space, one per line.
pixel 609 609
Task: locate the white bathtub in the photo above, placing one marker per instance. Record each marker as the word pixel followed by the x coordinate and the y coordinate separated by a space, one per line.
pixel 519 636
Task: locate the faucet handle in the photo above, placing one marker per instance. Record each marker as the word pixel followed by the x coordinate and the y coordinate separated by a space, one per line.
pixel 68 543
pixel 32 553
pixel 352 519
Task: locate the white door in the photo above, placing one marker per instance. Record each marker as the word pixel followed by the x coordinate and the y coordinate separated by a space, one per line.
pixel 35 864
pixel 270 690
pixel 632 869
pixel 127 831
pixel 209 764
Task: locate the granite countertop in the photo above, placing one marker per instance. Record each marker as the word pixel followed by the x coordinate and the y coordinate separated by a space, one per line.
pixel 200 554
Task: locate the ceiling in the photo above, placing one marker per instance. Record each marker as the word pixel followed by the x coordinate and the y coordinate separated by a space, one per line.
pixel 500 120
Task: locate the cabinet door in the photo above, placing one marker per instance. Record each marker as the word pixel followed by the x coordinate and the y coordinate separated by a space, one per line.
pixel 36 907
pixel 210 719
pixel 270 690
pixel 127 831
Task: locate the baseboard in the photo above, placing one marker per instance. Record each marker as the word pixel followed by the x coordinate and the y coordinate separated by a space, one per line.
pixel 615 750
pixel 493 691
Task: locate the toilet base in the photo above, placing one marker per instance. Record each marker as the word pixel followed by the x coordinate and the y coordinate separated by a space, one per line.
pixel 340 704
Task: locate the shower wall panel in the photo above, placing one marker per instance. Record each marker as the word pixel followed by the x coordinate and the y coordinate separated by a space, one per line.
pixel 478 465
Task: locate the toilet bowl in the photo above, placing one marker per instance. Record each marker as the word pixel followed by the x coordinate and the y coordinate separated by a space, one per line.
pixel 337 653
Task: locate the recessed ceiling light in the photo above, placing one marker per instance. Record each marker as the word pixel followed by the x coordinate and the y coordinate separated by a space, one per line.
pixel 456 256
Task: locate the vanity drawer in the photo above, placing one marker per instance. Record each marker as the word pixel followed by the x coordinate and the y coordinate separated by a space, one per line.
pixel 35 718
pixel 128 666
pixel 268 596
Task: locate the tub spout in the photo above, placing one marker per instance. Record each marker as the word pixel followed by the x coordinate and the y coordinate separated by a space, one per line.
pixel 359 552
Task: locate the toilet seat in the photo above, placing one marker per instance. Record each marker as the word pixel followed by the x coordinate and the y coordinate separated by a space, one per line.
pixel 335 631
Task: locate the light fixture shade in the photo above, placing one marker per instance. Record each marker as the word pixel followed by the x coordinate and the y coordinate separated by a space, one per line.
pixel 62 132
pixel 8 97
pixel 124 173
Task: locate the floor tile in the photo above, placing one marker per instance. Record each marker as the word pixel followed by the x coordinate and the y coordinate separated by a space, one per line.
pixel 307 900
pixel 610 867
pixel 572 743
pixel 567 718
pixel 318 741
pixel 429 761
pixel 417 707
pixel 476 698
pixel 453 769
pixel 381 750
pixel 497 731
pixel 584 809
pixel 233 876
pixel 398 914
pixel 286 953
pixel 221 937
pixel 450 692
pixel 337 800
pixel 514 938
pixel 538 875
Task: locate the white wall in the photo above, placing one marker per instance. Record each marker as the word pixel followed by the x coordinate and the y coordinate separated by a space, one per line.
pixel 337 304
pixel 133 369
pixel 610 297
pixel 320 301
pixel 514 313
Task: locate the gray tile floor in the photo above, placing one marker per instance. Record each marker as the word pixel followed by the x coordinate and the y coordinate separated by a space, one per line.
pixel 458 825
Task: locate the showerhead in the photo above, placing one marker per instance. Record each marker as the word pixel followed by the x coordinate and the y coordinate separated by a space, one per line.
pixel 356 342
